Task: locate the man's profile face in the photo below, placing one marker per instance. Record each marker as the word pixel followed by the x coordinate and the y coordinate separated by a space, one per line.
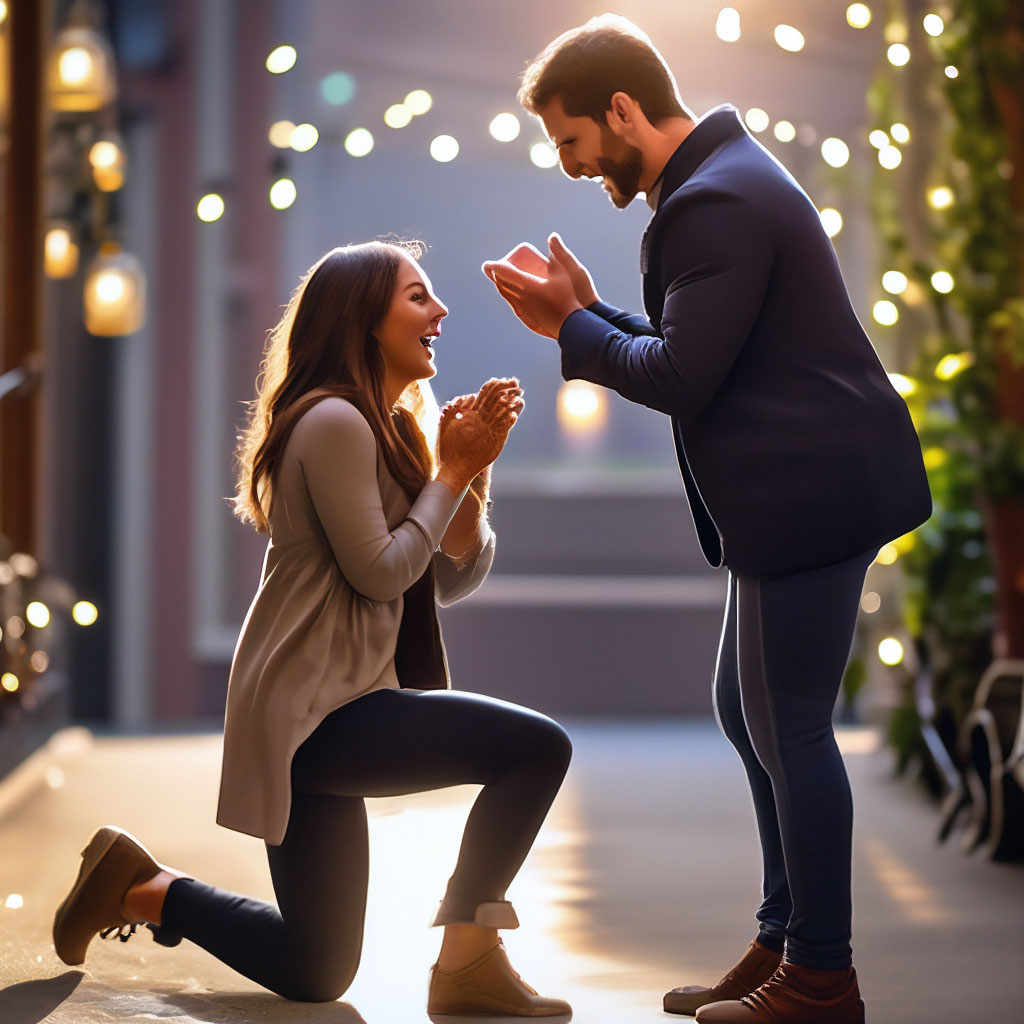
pixel 587 149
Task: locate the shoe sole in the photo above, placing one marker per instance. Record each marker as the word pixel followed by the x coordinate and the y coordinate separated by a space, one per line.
pixel 101 843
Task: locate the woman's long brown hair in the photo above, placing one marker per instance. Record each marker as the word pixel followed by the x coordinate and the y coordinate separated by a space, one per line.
pixel 324 345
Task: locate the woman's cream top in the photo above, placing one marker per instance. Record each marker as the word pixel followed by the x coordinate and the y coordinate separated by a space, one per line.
pixel 322 630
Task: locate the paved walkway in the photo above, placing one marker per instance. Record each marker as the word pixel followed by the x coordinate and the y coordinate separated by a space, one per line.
pixel 645 877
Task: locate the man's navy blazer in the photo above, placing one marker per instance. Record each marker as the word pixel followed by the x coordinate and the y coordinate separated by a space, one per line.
pixel 795 449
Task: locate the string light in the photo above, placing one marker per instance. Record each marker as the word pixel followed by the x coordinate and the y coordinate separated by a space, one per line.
pixel 942 281
pixel 904 386
pixel 283 193
pixel 281 59
pixel 37 614
pixel 280 134
pixel 582 407
pixel 303 138
pixel 951 71
pixel 60 253
pixel 398 115
pixel 858 15
pixel 878 139
pixel 9 681
pixel 831 221
pixel 934 25
pixel 885 313
pixel 900 133
pixel 419 101
pixel 210 208
pixel 940 197
pixel 504 127
pixel 757 119
pixel 727 27
pixel 890 651
pixel 898 54
pixel 785 131
pixel 543 155
pixel 894 282
pixel 835 152
pixel 359 142
pixel 890 157
pixel 789 38
pixel 444 148
pixel 956 362
pixel 85 613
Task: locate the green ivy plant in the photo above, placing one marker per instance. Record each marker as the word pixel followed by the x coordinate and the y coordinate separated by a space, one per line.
pixel 958 342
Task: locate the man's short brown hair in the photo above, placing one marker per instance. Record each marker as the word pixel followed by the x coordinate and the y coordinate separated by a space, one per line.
pixel 586 66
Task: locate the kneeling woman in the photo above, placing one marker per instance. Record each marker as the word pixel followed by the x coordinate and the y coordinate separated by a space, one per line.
pixel 339 686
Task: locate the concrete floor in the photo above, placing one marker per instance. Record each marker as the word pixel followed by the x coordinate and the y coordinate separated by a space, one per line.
pixel 645 877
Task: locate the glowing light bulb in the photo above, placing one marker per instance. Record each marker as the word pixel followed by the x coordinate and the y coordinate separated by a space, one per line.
pixel 85 613
pixel 504 127
pixel 858 15
pixel 283 193
pixel 885 312
pixel 890 157
pixel 398 115
pixel 75 65
pixel 904 386
pixel 940 197
pixel 894 282
pixel 785 131
pixel 9 681
pixel 942 281
pixel 900 133
pixel 582 407
pixel 789 38
pixel 898 54
pixel 210 208
pixel 757 119
pixel 835 152
pixel 37 614
pixel 878 139
pixel 419 101
pixel 890 651
pixel 281 59
pixel 956 362
pixel 831 221
pixel 109 286
pixel 951 71
pixel 444 148
pixel 727 27
pixel 280 134
pixel 934 25
pixel 304 138
pixel 359 142
pixel 543 155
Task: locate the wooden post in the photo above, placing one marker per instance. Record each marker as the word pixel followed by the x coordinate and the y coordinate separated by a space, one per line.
pixel 29 28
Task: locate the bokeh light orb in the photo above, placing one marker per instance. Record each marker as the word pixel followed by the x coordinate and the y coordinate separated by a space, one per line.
pixel 444 148
pixel 359 142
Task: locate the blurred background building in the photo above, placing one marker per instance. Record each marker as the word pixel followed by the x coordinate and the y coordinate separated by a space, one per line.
pixel 175 166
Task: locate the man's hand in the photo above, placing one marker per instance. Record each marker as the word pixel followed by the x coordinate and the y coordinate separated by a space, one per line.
pixel 540 291
pixel 582 282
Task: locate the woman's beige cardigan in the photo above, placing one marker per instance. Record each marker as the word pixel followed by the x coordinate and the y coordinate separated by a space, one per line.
pixel 322 630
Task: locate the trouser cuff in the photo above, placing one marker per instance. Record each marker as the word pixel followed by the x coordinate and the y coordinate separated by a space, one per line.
pixel 499 914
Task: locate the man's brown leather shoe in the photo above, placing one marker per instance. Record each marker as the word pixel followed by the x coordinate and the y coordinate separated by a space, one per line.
pixel 757 965
pixel 794 995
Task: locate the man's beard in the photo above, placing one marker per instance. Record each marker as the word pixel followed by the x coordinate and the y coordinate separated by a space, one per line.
pixel 622 177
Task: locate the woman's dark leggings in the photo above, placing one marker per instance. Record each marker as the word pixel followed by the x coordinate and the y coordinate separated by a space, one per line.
pixel 784 648
pixel 386 743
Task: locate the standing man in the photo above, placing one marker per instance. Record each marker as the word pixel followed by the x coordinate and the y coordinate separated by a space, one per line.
pixel 798 458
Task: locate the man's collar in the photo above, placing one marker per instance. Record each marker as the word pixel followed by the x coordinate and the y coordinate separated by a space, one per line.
pixel 722 124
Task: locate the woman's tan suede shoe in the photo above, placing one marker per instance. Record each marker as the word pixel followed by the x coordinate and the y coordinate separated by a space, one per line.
pixel 489 985
pixel 756 966
pixel 112 862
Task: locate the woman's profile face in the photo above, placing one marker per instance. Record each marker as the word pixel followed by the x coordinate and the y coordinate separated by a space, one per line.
pixel 412 322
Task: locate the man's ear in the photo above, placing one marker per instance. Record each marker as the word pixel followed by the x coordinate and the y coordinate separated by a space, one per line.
pixel 621 114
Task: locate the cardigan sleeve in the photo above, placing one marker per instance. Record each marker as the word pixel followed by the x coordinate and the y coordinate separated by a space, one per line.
pixel 716 261
pixel 338 453
pixel 457 578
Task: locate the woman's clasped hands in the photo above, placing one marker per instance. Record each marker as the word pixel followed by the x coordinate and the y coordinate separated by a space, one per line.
pixel 474 428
